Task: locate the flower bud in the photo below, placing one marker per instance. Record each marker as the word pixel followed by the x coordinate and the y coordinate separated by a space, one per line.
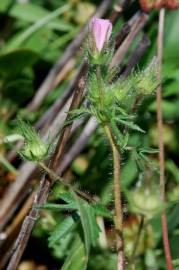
pixel 35 151
pixel 100 32
pixel 145 202
pixel 146 80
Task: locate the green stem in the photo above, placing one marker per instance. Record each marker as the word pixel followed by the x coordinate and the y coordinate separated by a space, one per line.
pixel 55 177
pixel 118 220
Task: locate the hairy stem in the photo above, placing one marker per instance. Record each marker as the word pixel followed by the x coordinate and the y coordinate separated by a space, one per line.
pixel 56 177
pixel 118 220
pixel 161 142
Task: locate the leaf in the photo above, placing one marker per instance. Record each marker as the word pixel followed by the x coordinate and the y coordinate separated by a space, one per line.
pixel 76 259
pixel 18 59
pixel 22 87
pixel 131 125
pixel 4 4
pixel 101 210
pixel 171 166
pixel 121 111
pixel 31 13
pixel 176 262
pixel 93 226
pixel 117 134
pixel 171 45
pixel 37 25
pixel 85 224
pixel 56 207
pixel 8 165
pixel 38 42
pixel 149 162
pixel 88 221
pixel 67 197
pixel 129 172
pixel 173 220
pixel 121 139
pixel 149 150
pixel 62 229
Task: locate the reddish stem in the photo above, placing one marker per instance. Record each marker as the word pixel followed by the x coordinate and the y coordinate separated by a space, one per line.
pixel 161 142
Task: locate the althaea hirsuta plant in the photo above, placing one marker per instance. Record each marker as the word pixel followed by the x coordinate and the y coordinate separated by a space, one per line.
pixel 111 99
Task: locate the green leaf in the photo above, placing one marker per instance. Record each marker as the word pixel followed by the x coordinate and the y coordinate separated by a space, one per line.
pixel 36 26
pixel 31 13
pixel 88 221
pixel 8 165
pixel 56 207
pixel 131 125
pixel 76 259
pixel 22 87
pixel 62 229
pixel 173 220
pixel 84 222
pixel 171 166
pixel 149 150
pixel 176 262
pixel 122 139
pixel 4 4
pixel 93 226
pixel 171 53
pixel 18 59
pixel 67 197
pixel 101 210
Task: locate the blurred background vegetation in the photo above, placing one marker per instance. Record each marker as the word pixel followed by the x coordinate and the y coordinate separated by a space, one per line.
pixel 28 50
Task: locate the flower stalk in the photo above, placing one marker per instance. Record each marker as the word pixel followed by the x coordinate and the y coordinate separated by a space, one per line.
pixel 118 218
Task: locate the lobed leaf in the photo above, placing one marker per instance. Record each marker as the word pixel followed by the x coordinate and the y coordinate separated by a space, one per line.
pixel 62 229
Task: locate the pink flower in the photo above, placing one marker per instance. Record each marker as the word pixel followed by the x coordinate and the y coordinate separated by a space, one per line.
pixel 101 30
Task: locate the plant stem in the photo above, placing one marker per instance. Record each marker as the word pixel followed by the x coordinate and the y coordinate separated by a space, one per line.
pixel 118 220
pixel 161 142
pixel 117 200
pixel 56 177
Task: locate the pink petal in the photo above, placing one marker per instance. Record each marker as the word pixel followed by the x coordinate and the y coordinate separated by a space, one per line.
pixel 101 30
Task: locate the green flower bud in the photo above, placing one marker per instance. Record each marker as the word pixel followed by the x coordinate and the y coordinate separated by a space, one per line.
pixel 146 80
pixel 145 202
pixel 123 89
pixel 99 34
pixel 34 149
